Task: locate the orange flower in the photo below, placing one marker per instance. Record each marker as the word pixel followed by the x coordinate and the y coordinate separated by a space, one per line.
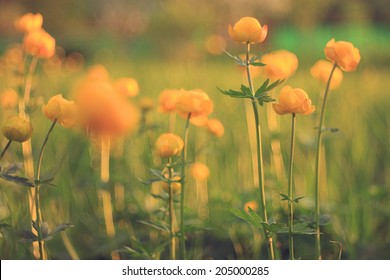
pixel 127 87
pixel 169 145
pixel 102 110
pixel 39 43
pixel 344 54
pixel 200 171
pixel 176 186
pixel 215 127
pixel 62 110
pixel 293 100
pixel 194 102
pixel 29 22
pixel 280 64
pixel 215 44
pixel 248 30
pixel 321 71
pixel 17 129
pixel 168 100
pixel 252 205
pixel 9 98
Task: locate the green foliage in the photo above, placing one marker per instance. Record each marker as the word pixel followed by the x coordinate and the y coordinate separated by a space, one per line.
pixel 8 172
pixel 28 236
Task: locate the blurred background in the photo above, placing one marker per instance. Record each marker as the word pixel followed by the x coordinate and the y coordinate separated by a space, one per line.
pixel 177 44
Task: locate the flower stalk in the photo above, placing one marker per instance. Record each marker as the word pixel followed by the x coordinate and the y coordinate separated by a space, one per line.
pixel 172 243
pixel 183 179
pixel 290 191
pixel 260 168
pixel 317 170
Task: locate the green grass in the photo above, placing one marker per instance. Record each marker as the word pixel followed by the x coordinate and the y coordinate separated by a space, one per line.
pixel 356 193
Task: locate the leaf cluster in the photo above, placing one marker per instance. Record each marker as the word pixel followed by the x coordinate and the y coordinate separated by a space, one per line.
pixel 28 236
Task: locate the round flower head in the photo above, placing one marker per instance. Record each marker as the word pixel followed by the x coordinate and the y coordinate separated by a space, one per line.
pixel 321 71
pixel 17 129
pixel 279 64
pixel 169 145
pixel 39 43
pixel 167 100
pixel 215 127
pixel 293 100
pixel 62 110
pixel 344 54
pixel 248 30
pixel 200 171
pixel 9 98
pixel 28 22
pixel 194 102
pixel 146 103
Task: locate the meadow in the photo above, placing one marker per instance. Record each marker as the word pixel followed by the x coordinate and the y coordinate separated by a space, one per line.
pixel 113 219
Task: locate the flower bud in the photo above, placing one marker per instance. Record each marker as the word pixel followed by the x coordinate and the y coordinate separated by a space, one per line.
pixel 344 54
pixel 200 171
pixel 169 145
pixel 29 22
pixel 293 100
pixel 248 30
pixel 62 110
pixel 17 129
pixel 39 43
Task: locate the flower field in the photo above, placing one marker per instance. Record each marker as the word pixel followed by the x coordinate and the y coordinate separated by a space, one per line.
pixel 252 140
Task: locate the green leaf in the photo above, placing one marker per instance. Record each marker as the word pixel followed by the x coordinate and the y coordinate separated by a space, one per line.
pixel 285 197
pixel 27 236
pixel 234 93
pixel 246 91
pixel 250 217
pixel 257 64
pixel 45 182
pixel 60 228
pixel 238 60
pixel 298 199
pixel 299 228
pixel 155 225
pixel 22 181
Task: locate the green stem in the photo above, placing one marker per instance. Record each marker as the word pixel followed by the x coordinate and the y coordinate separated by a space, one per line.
pixel 183 180
pixel 172 249
pixel 37 189
pixel 290 192
pixel 5 148
pixel 317 171
pixel 260 169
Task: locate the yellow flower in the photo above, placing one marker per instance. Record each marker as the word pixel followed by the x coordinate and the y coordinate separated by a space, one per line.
pixel 279 64
pixel 167 100
pixel 215 44
pixel 321 71
pixel 199 171
pixel 169 145
pixel 102 110
pixel 293 100
pixel 9 98
pixel 176 186
pixel 39 43
pixel 127 87
pixel 248 30
pixel 215 127
pixel 344 54
pixel 29 22
pixel 17 129
pixel 195 102
pixel 62 110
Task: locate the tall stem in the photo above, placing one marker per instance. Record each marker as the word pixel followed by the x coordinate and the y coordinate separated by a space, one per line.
pixel 290 192
pixel 317 171
pixel 5 148
pixel 172 244
pixel 260 169
pixel 37 189
pixel 183 180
